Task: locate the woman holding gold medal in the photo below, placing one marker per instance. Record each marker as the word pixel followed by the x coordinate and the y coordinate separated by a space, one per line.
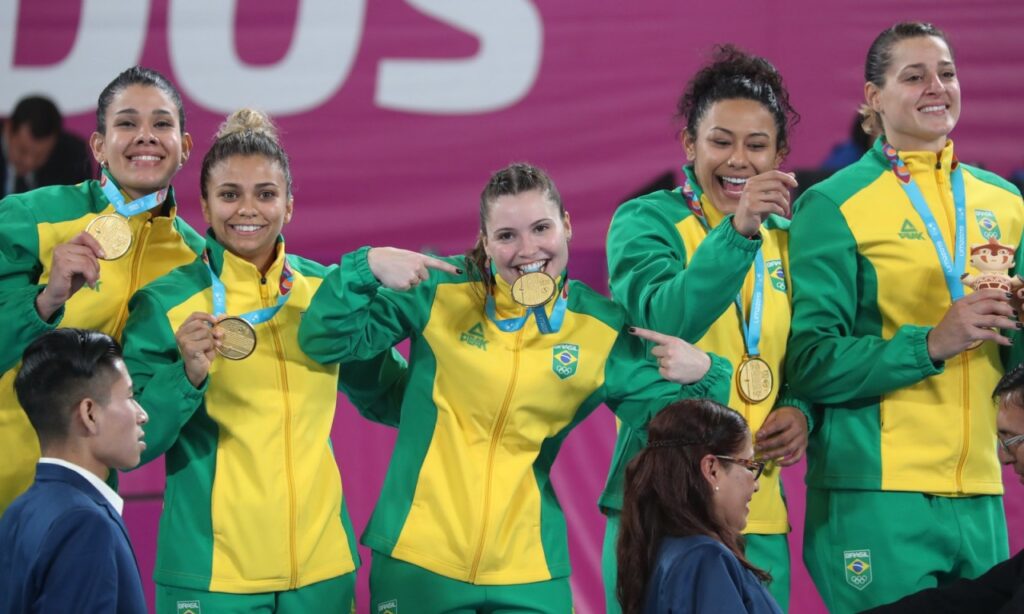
pixel 74 255
pixel 254 516
pixel 903 479
pixel 506 356
pixel 708 262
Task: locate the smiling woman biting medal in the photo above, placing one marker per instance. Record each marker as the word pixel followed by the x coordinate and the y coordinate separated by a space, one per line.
pixel 507 355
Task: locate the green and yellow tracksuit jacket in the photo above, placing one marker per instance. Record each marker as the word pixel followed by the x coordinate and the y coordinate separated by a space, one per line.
pixel 253 501
pixel 867 290
pixel 677 278
pixel 31 226
pixel 468 494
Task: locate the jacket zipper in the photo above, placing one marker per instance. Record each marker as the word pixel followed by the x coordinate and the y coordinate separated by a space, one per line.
pixel 499 426
pixel 945 188
pixel 293 578
pixel 133 283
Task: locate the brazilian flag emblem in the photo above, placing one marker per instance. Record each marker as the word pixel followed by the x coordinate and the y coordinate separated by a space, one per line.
pixel 564 358
pixel 776 274
pixel 987 224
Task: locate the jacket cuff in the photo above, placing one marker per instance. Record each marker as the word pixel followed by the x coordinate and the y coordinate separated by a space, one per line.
pixel 787 398
pixel 358 262
pixel 735 239
pixel 917 337
pixel 718 377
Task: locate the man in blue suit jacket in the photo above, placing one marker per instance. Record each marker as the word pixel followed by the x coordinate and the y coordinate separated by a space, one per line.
pixel 63 545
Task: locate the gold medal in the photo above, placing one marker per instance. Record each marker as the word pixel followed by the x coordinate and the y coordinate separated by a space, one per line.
pixel 113 234
pixel 239 338
pixel 754 379
pixel 533 289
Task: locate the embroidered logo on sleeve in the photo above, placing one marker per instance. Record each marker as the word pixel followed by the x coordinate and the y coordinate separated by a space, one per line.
pixel 389 607
pixel 858 568
pixel 564 358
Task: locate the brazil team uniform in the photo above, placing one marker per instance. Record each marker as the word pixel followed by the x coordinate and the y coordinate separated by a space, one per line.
pixel 32 225
pixel 679 274
pixel 903 479
pixel 254 512
pixel 467 511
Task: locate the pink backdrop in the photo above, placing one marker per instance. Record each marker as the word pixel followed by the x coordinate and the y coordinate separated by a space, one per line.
pixel 385 151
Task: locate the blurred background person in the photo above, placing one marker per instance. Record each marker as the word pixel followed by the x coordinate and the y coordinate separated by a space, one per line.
pixel 36 151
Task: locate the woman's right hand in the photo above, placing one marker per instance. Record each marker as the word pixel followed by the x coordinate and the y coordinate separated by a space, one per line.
pixel 763 195
pixel 969 320
pixel 74 264
pixel 678 361
pixel 401 269
pixel 197 342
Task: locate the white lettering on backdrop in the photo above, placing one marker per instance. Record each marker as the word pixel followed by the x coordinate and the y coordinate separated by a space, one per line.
pixel 324 44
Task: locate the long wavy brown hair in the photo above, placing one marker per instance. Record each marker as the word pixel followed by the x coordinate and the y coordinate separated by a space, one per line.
pixel 667 495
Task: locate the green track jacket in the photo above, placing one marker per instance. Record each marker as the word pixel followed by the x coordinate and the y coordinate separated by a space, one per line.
pixel 254 501
pixel 31 226
pixel 468 494
pixel 867 290
pixel 677 278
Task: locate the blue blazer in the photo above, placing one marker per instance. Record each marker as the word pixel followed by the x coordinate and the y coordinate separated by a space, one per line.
pixel 64 548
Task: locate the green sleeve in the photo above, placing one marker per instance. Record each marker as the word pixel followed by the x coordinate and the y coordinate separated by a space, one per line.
pixel 158 374
pixel 827 360
pixel 352 317
pixel 376 387
pixel 19 282
pixel 649 272
pixel 635 390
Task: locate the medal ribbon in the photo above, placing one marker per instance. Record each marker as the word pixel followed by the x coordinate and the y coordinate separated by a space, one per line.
pixel 546 325
pixel 253 317
pixel 751 330
pixel 952 268
pixel 125 208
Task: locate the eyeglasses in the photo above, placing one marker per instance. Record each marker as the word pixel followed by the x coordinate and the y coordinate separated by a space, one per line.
pixel 757 467
pixel 1009 444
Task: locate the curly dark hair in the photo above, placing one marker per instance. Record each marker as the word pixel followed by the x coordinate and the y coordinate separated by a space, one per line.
pixel 734 74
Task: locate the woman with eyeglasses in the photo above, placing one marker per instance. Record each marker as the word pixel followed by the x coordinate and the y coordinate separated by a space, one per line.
pixel 687 497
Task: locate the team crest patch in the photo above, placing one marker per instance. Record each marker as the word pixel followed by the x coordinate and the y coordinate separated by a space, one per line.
pixel 987 224
pixel 189 607
pixel 564 358
pixel 858 568
pixel 776 274
pixel 388 607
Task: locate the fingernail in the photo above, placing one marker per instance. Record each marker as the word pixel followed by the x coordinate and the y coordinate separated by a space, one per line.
pixel 1020 324
pixel 1008 295
pixel 459 271
pixel 632 329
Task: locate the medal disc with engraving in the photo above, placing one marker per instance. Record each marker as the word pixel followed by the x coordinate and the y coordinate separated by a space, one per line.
pixel 755 380
pixel 533 289
pixel 113 234
pixel 239 338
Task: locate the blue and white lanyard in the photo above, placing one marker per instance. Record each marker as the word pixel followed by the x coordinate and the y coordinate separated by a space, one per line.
pixel 125 208
pixel 751 330
pixel 253 317
pixel 952 268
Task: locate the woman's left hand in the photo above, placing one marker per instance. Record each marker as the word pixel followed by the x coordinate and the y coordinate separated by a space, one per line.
pixel 678 361
pixel 783 436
